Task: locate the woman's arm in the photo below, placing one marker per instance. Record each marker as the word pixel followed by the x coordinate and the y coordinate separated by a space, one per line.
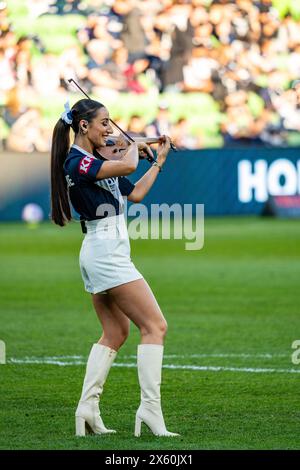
pixel 125 161
pixel 143 186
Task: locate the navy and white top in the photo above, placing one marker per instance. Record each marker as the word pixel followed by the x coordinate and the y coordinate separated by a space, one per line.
pixel 92 198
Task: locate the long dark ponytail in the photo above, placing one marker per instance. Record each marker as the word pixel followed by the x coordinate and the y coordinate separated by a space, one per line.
pixel 60 204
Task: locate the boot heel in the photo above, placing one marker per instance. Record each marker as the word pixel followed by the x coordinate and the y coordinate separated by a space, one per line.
pixel 80 426
pixel 138 425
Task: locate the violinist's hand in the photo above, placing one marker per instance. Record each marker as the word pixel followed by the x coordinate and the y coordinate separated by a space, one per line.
pixel 144 150
pixel 163 149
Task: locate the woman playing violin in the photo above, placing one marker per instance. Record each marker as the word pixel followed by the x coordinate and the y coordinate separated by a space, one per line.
pixel 95 185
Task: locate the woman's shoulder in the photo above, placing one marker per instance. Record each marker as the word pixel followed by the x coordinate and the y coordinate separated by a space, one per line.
pixel 77 154
pixel 76 151
pixel 82 163
pixel 73 157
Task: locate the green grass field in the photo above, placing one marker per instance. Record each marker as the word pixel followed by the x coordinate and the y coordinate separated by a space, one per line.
pixel 233 305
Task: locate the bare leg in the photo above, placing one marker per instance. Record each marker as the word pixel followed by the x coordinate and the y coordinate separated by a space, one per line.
pixel 114 323
pixel 136 300
pixel 115 331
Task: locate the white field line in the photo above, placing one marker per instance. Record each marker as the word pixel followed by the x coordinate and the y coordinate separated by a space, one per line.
pixel 226 355
pixel 174 356
pixel 220 368
pixel 56 360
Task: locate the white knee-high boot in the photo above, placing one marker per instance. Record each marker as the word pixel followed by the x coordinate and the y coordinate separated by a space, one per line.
pixel 87 415
pixel 149 362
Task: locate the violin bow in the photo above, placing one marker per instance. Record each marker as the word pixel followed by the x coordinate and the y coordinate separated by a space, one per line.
pixel 149 157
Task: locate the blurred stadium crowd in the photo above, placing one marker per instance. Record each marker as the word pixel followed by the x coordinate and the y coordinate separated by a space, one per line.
pixel 244 55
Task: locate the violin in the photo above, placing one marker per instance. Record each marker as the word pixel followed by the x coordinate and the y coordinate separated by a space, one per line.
pixel 147 140
pixel 116 147
pixel 114 141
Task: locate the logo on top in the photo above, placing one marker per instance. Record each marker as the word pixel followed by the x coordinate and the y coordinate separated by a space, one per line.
pixel 85 164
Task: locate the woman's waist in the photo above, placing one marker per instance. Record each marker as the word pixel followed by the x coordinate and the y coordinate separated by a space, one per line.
pixel 114 226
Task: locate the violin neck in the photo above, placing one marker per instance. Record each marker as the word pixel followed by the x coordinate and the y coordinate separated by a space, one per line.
pixel 147 140
pixel 138 139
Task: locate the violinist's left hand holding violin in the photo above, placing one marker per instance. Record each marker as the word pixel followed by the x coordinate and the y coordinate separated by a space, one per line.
pixel 163 149
pixel 145 150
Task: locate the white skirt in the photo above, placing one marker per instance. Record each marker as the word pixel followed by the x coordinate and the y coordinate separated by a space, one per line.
pixel 105 255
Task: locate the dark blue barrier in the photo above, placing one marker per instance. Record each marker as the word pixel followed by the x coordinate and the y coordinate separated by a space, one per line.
pixel 227 181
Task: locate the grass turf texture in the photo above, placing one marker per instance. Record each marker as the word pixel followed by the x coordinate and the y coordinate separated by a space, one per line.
pixel 240 294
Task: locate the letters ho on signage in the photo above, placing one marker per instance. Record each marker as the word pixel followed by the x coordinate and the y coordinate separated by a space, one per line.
pixel 258 180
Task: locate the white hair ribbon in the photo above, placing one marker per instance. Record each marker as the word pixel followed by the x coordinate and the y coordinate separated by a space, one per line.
pixel 67 114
